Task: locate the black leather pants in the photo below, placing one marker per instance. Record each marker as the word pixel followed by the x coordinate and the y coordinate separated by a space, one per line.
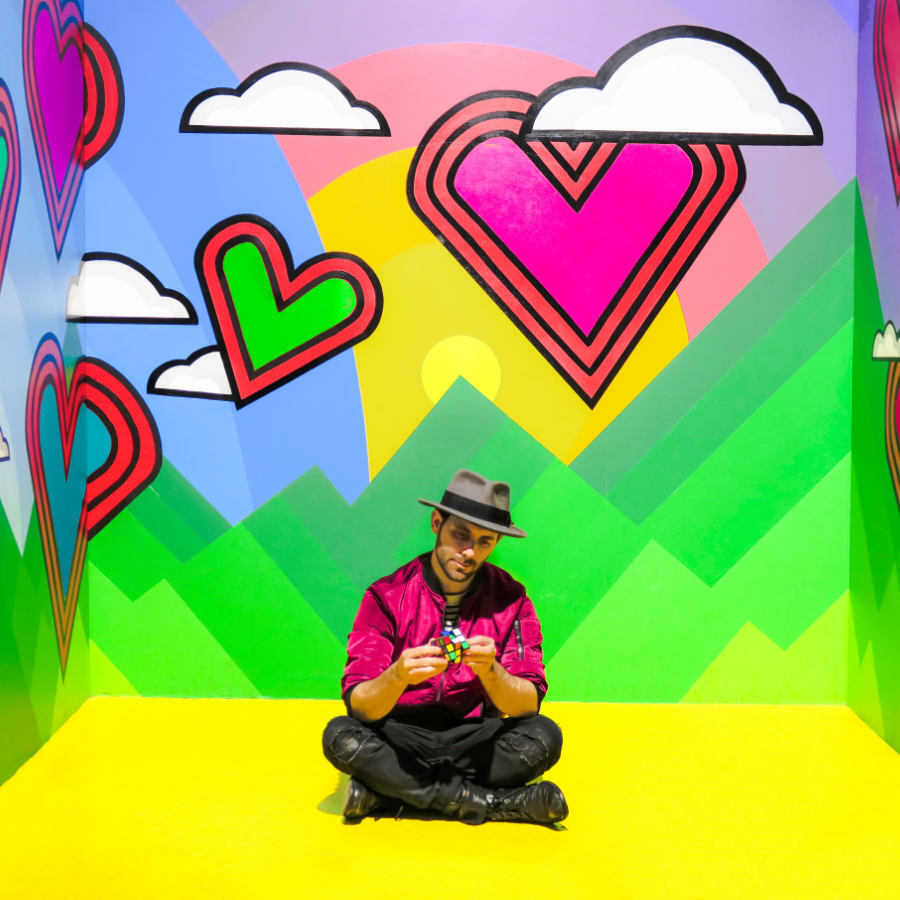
pixel 425 762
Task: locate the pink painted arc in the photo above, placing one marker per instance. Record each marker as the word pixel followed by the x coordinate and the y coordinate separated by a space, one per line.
pixel 582 258
pixel 60 85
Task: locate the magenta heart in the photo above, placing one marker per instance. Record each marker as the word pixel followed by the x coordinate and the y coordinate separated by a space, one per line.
pixel 560 245
pixel 580 245
pixel 52 48
pixel 10 176
pixel 60 85
pixel 886 58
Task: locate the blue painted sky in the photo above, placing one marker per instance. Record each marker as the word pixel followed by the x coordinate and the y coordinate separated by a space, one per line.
pixel 152 198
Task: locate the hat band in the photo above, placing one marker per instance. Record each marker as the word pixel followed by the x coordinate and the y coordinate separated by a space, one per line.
pixel 476 510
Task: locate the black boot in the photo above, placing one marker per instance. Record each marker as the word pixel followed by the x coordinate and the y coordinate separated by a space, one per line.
pixel 542 803
pixel 360 801
pixel 469 804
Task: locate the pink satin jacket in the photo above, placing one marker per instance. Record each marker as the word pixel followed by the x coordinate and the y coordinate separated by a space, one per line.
pixel 402 611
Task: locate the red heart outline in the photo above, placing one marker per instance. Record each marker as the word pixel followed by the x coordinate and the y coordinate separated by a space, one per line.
pixel 104 104
pixel 886 59
pixel 587 364
pixel 134 460
pixel 892 423
pixel 289 285
pixel 9 195
pixel 104 96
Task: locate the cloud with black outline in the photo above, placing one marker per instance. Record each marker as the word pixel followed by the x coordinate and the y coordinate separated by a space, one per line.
pixel 886 345
pixel 680 83
pixel 110 287
pixel 202 374
pixel 285 98
pixel 4 448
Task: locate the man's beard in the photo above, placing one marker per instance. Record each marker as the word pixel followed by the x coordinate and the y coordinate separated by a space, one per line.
pixel 459 577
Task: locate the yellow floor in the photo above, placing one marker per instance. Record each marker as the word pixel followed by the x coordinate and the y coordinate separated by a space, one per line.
pixel 139 798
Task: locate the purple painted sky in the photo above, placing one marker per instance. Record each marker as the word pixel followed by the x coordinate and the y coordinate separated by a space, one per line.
pixel 811 43
pixel 875 181
pixel 848 10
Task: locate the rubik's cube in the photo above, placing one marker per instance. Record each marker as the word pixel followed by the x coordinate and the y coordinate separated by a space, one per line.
pixel 452 643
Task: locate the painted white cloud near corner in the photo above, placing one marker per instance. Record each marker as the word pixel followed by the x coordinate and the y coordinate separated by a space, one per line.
pixel 886 345
pixel 687 85
pixel 293 98
pixel 200 375
pixel 109 289
pixel 4 448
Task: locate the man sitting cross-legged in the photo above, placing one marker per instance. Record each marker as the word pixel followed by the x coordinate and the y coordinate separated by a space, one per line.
pixel 432 734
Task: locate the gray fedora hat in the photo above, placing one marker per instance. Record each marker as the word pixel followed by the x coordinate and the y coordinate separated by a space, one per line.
pixel 476 499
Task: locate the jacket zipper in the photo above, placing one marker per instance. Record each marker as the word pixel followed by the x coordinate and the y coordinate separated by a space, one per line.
pixel 520 646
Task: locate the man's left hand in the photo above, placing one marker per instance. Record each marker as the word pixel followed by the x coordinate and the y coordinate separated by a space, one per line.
pixel 481 655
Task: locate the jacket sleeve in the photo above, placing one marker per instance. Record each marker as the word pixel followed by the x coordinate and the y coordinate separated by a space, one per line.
pixel 522 655
pixel 370 647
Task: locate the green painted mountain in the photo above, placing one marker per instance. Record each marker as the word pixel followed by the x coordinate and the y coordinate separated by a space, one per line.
pixel 784 316
pixel 34 698
pixel 719 497
pixel 874 664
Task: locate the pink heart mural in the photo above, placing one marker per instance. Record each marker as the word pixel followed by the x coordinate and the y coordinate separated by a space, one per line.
pixel 886 54
pixel 133 461
pixel 892 424
pixel 73 92
pixel 580 244
pixel 10 172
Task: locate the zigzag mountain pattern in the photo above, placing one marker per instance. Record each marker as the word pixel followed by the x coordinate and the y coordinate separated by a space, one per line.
pixel 651 573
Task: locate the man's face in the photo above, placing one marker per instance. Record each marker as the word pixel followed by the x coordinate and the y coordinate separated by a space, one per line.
pixel 460 548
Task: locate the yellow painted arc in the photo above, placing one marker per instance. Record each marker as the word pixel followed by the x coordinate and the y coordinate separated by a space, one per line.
pixel 430 300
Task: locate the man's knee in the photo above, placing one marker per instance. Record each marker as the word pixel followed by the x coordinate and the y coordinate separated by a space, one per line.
pixel 538 742
pixel 343 739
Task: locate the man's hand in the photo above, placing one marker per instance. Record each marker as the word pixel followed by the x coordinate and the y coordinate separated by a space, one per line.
pixel 481 655
pixel 374 699
pixel 511 695
pixel 417 664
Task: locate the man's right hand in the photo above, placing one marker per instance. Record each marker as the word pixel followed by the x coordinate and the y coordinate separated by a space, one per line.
pixel 372 700
pixel 417 664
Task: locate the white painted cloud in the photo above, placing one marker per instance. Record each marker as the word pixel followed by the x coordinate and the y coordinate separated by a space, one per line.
pixel 679 85
pixel 4 448
pixel 113 289
pixel 201 375
pixel 886 345
pixel 292 98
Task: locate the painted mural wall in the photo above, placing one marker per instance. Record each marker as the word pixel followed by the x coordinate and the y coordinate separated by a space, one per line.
pixel 604 254
pixel 276 271
pixel 44 670
pixel 874 665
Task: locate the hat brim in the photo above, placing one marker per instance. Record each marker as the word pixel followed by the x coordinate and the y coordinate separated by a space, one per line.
pixel 510 530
